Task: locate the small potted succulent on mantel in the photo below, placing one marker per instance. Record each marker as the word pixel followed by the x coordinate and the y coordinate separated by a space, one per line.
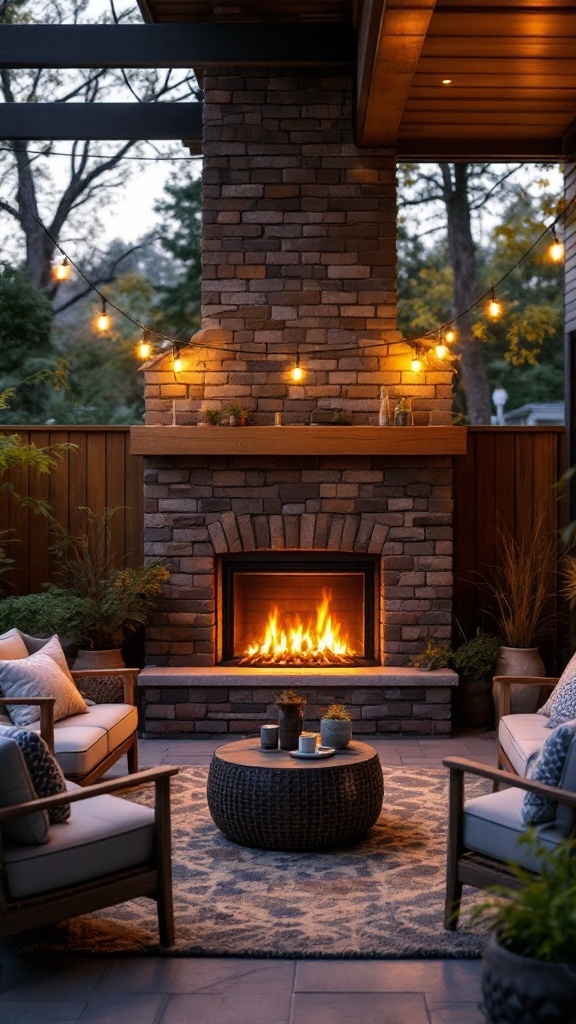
pixel 213 417
pixel 290 706
pixel 336 727
pixel 236 414
pixel 529 972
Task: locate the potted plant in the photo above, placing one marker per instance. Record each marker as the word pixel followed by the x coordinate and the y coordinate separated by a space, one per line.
pixel 236 414
pixel 290 706
pixel 116 601
pixel 521 585
pixel 213 417
pixel 435 655
pixel 529 971
pixel 336 727
pixel 474 662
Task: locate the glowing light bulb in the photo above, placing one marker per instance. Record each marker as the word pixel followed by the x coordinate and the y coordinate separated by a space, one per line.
pixel 103 320
pixel 177 364
pixel 441 350
pixel 450 336
pixel 556 250
pixel 297 373
pixel 416 363
pixel 446 81
pixel 61 272
pixel 144 350
pixel 494 308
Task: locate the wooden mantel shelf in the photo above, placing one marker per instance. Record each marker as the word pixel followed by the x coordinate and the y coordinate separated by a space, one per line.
pixel 301 440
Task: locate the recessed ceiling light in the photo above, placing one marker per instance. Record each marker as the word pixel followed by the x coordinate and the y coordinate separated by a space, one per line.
pixel 446 81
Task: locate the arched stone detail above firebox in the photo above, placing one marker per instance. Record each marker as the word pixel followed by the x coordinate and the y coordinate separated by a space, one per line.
pixel 321 531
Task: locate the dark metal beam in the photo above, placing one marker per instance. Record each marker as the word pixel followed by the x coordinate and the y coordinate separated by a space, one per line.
pixel 101 121
pixel 175 46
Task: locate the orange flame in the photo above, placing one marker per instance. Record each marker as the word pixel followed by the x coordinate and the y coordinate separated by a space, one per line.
pixel 298 644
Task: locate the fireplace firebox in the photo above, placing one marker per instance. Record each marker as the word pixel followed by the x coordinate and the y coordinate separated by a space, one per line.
pixel 297 609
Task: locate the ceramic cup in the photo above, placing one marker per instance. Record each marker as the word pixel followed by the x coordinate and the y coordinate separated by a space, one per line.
pixel 307 742
pixel 269 737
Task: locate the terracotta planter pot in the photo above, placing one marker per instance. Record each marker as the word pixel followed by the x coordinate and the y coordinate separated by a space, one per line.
pixel 521 661
pixel 99 659
pixel 518 988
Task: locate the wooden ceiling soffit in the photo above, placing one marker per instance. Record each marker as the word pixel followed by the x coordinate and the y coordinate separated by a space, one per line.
pixel 569 143
pixel 436 148
pixel 130 121
pixel 390 40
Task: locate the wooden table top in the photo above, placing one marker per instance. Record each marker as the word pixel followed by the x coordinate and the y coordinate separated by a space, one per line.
pixel 250 754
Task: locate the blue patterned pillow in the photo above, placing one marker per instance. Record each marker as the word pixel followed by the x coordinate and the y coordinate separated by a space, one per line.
pixel 567 680
pixel 549 768
pixel 564 707
pixel 45 772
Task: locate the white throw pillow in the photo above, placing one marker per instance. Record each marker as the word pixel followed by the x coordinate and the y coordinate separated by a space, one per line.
pixel 26 645
pixel 40 675
pixel 12 646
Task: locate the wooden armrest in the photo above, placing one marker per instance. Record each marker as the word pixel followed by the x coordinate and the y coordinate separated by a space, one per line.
pixel 461 765
pixel 149 775
pixel 46 705
pixel 129 676
pixel 503 684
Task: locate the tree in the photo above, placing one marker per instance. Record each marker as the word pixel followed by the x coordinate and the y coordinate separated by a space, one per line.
pixel 180 235
pixel 31 200
pixel 26 346
pixel 453 195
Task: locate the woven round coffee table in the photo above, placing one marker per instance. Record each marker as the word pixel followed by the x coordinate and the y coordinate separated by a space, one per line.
pixel 266 799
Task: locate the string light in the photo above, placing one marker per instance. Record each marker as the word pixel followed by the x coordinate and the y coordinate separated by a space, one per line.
pixel 144 349
pixel 61 272
pixel 450 336
pixel 556 249
pixel 177 363
pixel 297 372
pixel 416 363
pixel 441 350
pixel 103 320
pixel 494 308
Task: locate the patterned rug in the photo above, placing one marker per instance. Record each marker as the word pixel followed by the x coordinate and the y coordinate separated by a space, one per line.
pixel 380 898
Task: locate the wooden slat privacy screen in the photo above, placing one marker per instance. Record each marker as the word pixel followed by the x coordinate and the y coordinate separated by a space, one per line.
pixel 99 473
pixel 505 481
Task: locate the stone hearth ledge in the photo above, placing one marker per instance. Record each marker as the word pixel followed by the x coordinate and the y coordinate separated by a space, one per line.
pixel 242 675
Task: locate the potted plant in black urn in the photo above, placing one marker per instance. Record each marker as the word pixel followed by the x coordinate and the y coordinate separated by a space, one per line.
pixel 529 971
pixel 290 706
pixel 336 727
pixel 475 662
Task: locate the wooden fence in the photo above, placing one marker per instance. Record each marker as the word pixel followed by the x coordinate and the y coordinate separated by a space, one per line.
pixel 506 481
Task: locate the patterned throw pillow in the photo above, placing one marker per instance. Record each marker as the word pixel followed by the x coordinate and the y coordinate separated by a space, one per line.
pixel 564 707
pixel 43 768
pixel 549 767
pixel 566 679
pixel 39 675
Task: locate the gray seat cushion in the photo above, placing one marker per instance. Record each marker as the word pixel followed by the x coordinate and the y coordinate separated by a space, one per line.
pixel 521 737
pixel 493 825
pixel 118 720
pixel 82 741
pixel 104 834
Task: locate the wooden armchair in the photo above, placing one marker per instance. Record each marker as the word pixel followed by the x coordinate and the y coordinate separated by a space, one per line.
pixel 146 857
pixel 476 856
pixel 88 745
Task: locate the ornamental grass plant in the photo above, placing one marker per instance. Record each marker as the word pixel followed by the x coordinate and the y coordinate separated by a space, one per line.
pixel 521 585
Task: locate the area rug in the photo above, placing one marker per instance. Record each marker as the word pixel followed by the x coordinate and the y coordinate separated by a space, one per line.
pixel 381 898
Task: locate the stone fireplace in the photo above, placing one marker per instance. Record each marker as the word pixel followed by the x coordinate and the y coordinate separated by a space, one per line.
pixel 298 265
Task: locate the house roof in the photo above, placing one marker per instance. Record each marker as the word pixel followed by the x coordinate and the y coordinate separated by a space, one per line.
pixel 510 65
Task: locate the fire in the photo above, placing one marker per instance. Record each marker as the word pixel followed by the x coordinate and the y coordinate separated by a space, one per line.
pixel 297 644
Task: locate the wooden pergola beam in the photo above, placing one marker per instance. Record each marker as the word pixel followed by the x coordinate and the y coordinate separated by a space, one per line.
pixel 390 40
pixel 175 46
pixel 130 121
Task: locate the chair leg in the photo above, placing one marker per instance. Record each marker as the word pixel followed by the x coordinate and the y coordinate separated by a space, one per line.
pixel 132 755
pixel 165 908
pixel 452 905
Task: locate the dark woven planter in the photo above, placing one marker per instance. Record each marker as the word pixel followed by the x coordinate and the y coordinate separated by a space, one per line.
pixel 473 708
pixel 295 807
pixel 517 988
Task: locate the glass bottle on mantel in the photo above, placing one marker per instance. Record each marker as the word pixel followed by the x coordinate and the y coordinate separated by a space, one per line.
pixel 384 413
